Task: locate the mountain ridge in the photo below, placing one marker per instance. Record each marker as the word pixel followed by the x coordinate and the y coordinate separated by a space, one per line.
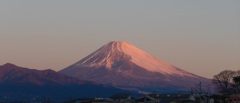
pixel 17 83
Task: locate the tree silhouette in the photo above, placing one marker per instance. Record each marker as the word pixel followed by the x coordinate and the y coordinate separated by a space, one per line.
pixel 236 81
pixel 223 80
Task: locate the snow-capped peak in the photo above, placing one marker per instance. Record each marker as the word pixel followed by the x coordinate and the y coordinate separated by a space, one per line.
pixel 116 51
pixel 123 65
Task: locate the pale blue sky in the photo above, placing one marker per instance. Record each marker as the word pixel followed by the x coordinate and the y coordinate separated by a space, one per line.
pixel 202 36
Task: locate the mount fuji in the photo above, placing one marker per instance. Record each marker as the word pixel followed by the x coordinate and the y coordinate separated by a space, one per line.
pixel 123 65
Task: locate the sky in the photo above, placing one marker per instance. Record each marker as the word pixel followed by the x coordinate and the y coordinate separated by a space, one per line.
pixel 202 37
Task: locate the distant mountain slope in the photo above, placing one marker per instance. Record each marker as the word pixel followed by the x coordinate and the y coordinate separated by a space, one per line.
pixel 125 66
pixel 17 83
pixel 10 73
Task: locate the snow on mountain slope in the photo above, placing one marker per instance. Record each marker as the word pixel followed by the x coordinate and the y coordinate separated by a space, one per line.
pixel 124 51
pixel 124 65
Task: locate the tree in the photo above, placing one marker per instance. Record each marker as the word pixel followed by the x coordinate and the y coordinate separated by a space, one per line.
pixel 223 80
pixel 236 81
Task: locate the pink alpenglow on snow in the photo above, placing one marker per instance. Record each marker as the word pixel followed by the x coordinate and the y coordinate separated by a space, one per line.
pixel 125 66
pixel 123 51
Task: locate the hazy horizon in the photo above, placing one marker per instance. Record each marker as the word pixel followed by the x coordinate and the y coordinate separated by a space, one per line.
pixel 201 37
